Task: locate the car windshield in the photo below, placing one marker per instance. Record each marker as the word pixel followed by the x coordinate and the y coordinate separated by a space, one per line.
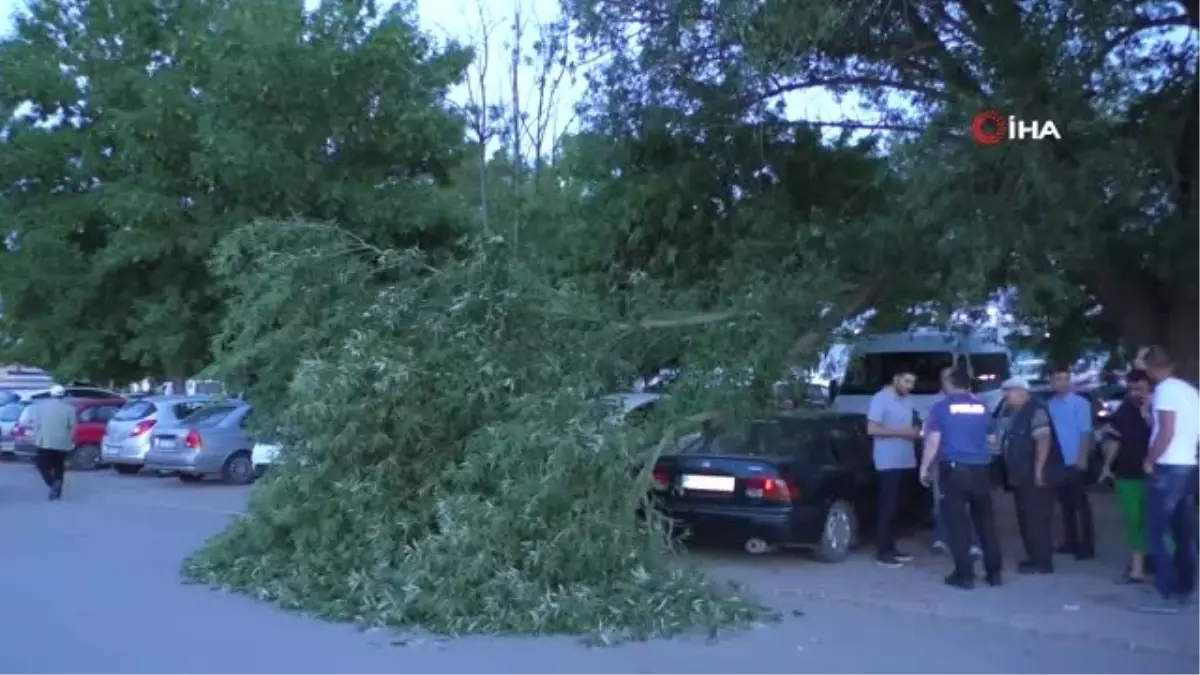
pixel 868 373
pixel 208 417
pixel 135 410
pixel 10 412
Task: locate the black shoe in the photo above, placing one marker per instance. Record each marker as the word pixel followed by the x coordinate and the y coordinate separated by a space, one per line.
pixel 1085 555
pixel 1030 567
pixel 56 490
pixel 959 582
pixel 901 556
pixel 889 560
pixel 1065 550
pixel 995 579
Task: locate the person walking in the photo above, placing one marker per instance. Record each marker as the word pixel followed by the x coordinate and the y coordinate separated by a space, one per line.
pixel 956 438
pixel 1033 464
pixel 1171 482
pixel 1124 455
pixel 1071 415
pixel 53 421
pixel 890 424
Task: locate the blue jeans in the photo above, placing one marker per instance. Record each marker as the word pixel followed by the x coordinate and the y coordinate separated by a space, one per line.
pixel 1171 516
pixel 939 528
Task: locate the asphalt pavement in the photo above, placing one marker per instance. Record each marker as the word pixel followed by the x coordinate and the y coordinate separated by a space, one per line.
pixel 91 584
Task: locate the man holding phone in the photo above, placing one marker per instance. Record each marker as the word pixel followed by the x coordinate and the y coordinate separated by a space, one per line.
pixel 890 424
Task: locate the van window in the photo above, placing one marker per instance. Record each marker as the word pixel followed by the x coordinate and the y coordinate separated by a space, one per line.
pixel 870 372
pixel 989 370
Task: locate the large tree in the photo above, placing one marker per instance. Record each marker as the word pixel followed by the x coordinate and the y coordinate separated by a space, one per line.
pixel 1103 219
pixel 143 132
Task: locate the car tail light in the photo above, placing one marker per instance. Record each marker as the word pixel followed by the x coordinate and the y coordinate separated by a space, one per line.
pixel 193 440
pixel 660 478
pixel 778 490
pixel 142 427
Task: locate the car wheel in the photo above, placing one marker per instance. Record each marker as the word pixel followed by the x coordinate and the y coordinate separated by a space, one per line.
pixel 127 469
pixel 8 457
pixel 84 458
pixel 191 477
pixel 239 469
pixel 839 533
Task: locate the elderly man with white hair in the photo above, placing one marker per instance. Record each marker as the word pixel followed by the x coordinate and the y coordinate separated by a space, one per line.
pixel 53 433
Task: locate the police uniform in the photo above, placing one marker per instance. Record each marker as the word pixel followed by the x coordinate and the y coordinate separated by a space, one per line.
pixel 963 464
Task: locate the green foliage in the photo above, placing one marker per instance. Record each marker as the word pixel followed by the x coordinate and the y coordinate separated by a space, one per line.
pixel 1104 219
pixel 156 128
pixel 444 465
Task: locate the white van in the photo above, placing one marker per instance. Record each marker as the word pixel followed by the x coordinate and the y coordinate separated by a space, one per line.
pixel 928 351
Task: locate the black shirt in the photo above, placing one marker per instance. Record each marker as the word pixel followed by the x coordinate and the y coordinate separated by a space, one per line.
pixel 1133 439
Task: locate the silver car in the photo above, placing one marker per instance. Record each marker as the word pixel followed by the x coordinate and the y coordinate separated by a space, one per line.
pixel 9 413
pixel 213 441
pixel 127 436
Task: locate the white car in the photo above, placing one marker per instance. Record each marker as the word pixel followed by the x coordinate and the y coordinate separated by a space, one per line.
pixel 263 456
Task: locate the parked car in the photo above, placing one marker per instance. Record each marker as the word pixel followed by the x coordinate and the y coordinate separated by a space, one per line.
pixel 127 437
pixel 92 416
pixel 9 413
pixel 798 480
pixel 83 392
pixel 213 441
pixel 263 455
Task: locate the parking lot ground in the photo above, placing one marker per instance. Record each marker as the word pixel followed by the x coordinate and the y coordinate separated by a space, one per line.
pixel 91 584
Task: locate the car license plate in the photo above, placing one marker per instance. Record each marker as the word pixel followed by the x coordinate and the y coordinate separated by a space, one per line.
pixel 112 449
pixel 166 443
pixel 708 483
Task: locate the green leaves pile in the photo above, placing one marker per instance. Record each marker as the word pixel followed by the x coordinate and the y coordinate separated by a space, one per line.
pixel 443 464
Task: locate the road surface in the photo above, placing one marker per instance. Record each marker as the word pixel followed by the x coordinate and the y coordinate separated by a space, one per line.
pixel 91 584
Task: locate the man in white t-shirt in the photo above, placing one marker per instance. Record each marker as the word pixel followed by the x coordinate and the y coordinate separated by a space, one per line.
pixel 1171 481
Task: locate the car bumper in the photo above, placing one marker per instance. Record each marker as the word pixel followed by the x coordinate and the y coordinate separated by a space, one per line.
pixel 796 525
pixel 182 462
pixel 23 449
pixel 120 453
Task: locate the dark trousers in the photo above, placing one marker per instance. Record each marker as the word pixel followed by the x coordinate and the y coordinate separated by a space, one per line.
pixel 967 501
pixel 1079 531
pixel 1035 512
pixel 51 464
pixel 1171 510
pixel 891 483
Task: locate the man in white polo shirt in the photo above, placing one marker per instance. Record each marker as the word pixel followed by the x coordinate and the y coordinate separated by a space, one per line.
pixel 1171 481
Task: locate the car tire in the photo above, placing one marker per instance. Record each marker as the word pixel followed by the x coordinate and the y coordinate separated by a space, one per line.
pixel 190 477
pixel 127 469
pixel 238 469
pixel 84 458
pixel 8 457
pixel 839 533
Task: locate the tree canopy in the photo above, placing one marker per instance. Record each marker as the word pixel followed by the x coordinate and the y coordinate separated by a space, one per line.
pixel 424 299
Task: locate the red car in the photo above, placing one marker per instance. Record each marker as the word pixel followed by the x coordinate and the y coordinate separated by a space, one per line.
pixel 93 416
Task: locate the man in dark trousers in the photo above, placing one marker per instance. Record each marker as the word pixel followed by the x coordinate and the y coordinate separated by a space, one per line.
pixel 1125 451
pixel 893 428
pixel 956 441
pixel 1071 414
pixel 1033 464
pixel 53 421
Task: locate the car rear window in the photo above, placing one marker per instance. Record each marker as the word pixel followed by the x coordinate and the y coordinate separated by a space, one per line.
pixel 134 410
pixel 209 416
pixel 10 412
pixel 182 410
pixel 26 412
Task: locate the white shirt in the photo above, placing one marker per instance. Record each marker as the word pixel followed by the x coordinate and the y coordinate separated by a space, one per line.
pixel 1181 398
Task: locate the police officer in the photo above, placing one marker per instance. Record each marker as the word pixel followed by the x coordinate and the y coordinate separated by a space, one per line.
pixel 956 440
pixel 1033 464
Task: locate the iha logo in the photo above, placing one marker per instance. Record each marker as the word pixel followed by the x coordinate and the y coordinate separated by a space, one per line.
pixel 992 128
